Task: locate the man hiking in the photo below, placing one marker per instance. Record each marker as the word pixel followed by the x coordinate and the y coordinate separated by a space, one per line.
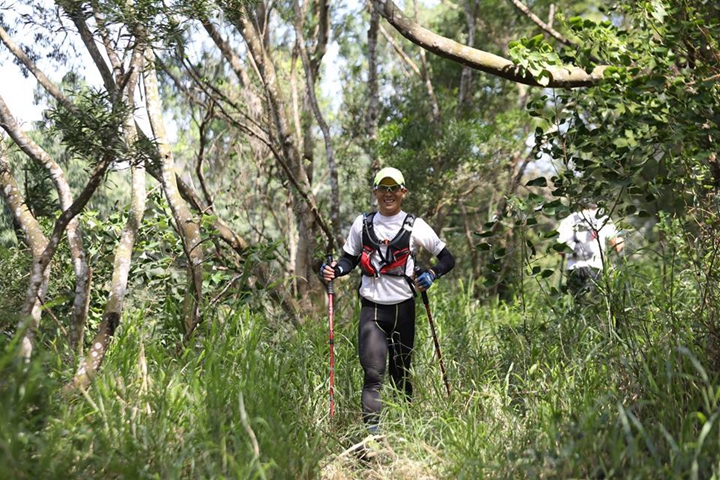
pixel 587 232
pixel 384 244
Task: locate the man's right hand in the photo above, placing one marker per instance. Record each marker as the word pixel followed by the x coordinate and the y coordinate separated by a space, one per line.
pixel 328 272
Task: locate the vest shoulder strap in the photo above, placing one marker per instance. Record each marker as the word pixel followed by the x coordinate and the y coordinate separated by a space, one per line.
pixel 405 230
pixel 369 237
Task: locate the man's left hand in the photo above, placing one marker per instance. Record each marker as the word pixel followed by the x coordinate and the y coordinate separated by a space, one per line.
pixel 425 280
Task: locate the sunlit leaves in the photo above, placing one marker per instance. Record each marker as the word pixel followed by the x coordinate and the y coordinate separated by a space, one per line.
pixel 95 133
pixel 535 55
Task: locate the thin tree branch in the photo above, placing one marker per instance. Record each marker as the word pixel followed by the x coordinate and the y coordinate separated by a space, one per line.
pixel 560 77
pixel 401 53
pixel 217 297
pixel 435 108
pixel 48 310
pixel 334 188
pixel 109 49
pixel 88 39
pixel 48 85
pixel 201 154
pixel 544 26
pixel 321 37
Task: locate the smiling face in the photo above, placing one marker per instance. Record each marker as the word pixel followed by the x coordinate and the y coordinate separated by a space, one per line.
pixel 389 196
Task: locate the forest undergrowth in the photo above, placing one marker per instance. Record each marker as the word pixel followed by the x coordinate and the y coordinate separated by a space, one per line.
pixel 619 386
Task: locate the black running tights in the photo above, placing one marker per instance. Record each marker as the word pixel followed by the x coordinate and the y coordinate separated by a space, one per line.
pixel 385 329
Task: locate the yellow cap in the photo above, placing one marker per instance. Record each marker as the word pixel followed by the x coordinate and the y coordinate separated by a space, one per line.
pixel 389 172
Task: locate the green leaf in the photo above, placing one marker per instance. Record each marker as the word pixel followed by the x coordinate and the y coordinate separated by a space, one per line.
pixel 547 273
pixel 536 41
pixel 559 247
pixel 658 11
pixel 575 23
pixel 531 247
pixel 537 182
pixel 155 272
pixel 544 78
pixel 630 135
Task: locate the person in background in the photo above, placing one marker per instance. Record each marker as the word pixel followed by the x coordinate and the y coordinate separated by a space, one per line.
pixel 587 232
pixel 384 245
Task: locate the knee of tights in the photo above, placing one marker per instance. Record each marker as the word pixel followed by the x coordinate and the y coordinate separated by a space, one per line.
pixel 373 377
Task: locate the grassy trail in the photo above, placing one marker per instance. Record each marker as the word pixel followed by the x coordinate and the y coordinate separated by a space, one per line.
pixel 541 389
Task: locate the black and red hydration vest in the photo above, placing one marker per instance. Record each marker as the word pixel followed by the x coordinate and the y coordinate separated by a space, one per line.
pixel 394 261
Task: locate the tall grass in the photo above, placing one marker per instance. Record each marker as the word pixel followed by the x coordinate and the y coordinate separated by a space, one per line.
pixel 230 406
pixel 541 388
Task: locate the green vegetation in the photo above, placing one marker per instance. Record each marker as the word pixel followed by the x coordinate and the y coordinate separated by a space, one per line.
pixel 541 388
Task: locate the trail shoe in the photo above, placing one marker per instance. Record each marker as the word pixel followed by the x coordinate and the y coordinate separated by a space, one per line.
pixel 367 449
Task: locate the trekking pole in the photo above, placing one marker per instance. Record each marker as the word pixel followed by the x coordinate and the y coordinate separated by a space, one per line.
pixel 426 301
pixel 562 267
pixel 331 320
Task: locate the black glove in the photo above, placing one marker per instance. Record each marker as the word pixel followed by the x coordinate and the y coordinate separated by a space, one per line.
pixel 337 270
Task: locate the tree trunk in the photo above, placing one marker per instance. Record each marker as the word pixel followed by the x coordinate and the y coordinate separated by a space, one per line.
pixel 121 269
pixel 188 227
pixel 373 111
pixel 434 106
pixel 306 278
pixel 35 240
pixel 123 253
pixel 329 151
pixel 38 275
pixel 78 318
